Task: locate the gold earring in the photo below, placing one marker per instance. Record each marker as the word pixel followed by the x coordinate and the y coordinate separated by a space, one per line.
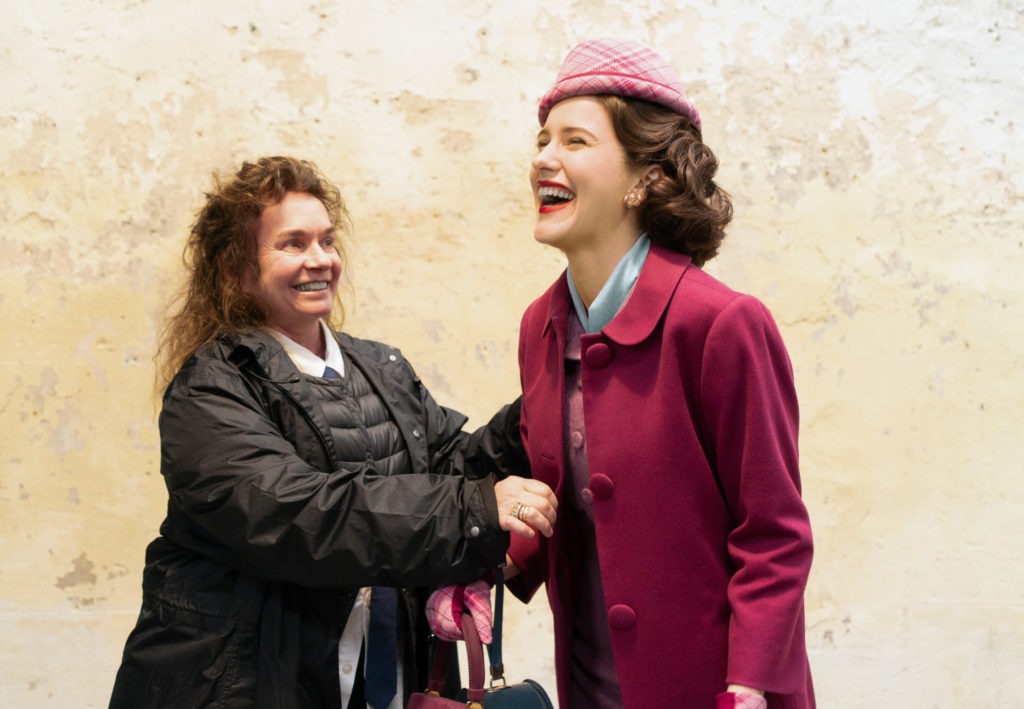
pixel 634 197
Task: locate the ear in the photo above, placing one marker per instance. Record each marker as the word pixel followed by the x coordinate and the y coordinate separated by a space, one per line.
pixel 249 280
pixel 645 176
pixel 648 175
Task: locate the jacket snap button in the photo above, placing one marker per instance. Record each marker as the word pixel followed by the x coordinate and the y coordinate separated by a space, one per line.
pixel 602 486
pixel 474 531
pixel 621 617
pixel 599 355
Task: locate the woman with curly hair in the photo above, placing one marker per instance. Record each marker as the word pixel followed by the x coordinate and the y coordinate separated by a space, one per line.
pixel 316 491
pixel 659 404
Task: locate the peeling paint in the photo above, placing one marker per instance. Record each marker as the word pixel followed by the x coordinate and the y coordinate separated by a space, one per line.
pixel 81 574
pixel 873 153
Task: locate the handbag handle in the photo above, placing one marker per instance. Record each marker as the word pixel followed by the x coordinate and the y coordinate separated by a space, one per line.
pixel 494 649
pixel 474 658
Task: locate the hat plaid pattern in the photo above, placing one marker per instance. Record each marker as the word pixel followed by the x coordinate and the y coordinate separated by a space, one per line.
pixel 620 67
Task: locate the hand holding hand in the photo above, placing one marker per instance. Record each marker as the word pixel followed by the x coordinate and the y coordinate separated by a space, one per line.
pixel 525 505
pixel 445 608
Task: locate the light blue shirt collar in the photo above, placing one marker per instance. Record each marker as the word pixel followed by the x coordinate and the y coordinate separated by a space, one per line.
pixel 616 288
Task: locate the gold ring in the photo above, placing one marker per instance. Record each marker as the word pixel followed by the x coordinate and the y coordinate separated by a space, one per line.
pixel 516 509
pixel 522 512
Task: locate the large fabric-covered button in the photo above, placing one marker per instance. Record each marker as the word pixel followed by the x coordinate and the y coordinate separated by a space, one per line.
pixel 602 486
pixel 621 617
pixel 598 355
pixel 577 439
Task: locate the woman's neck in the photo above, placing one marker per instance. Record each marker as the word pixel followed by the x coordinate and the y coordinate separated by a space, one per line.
pixel 310 338
pixel 591 268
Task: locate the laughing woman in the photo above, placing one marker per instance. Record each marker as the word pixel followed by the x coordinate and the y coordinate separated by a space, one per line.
pixel 310 475
pixel 660 404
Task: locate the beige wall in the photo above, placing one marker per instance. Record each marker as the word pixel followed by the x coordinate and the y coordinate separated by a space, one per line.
pixel 874 152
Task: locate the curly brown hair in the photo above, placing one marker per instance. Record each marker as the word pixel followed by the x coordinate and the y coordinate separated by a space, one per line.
pixel 220 256
pixel 684 210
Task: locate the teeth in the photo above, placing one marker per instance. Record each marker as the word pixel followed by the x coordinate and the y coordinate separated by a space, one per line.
pixel 315 285
pixel 554 193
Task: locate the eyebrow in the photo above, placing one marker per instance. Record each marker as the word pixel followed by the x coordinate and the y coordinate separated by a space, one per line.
pixel 567 130
pixel 300 232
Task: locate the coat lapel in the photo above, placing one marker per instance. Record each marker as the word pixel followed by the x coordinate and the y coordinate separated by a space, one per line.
pixel 651 295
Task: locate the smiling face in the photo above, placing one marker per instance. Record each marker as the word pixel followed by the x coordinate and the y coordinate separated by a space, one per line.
pixel 299 266
pixel 580 178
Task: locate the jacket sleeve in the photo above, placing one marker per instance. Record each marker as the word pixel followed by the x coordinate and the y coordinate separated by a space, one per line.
pixel 529 555
pixel 498 446
pixel 495 448
pixel 751 415
pixel 254 503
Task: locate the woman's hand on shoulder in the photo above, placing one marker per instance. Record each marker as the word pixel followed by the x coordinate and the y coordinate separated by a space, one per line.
pixel 526 506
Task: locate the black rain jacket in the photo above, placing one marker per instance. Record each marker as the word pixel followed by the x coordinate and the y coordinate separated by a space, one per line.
pixel 248 586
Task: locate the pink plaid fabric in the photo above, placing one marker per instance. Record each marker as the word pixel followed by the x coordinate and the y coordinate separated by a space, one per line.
pixel 740 700
pixel 444 610
pixel 620 67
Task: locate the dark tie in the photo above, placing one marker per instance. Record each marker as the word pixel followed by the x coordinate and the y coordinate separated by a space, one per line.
pixel 381 648
pixel 330 373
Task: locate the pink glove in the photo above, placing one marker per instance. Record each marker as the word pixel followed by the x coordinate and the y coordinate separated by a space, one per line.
pixel 740 700
pixel 444 610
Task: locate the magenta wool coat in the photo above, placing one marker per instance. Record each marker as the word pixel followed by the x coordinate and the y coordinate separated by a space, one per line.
pixel 703 539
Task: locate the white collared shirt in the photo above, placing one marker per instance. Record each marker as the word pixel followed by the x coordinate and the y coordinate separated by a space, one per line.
pixel 305 360
pixel 356 630
pixel 357 626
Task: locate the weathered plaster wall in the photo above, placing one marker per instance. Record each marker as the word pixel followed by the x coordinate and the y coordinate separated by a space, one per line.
pixel 874 152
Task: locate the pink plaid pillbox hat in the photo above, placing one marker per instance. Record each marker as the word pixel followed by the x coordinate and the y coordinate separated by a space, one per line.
pixel 620 67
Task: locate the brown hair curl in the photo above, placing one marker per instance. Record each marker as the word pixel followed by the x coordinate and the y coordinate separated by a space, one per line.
pixel 684 210
pixel 220 255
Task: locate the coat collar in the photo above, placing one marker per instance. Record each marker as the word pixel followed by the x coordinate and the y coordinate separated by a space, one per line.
pixel 265 353
pixel 643 308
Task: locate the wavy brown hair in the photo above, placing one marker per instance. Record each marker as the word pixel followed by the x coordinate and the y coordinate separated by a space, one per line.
pixel 684 210
pixel 220 256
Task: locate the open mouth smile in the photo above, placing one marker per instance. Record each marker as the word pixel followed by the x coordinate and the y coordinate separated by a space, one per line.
pixel 311 286
pixel 553 196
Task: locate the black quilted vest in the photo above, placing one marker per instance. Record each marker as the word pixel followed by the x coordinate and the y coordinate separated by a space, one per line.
pixel 360 425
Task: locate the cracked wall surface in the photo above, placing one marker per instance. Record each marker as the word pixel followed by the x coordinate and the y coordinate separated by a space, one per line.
pixel 874 154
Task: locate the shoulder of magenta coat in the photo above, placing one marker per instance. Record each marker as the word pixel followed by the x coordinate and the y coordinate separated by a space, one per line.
pixel 668 279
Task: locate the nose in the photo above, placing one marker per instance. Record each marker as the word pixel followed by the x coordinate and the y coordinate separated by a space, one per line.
pixel 544 159
pixel 317 257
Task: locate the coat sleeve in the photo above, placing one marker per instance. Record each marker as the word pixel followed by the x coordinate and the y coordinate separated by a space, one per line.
pixel 751 415
pixel 254 503
pixel 529 555
pixel 530 559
